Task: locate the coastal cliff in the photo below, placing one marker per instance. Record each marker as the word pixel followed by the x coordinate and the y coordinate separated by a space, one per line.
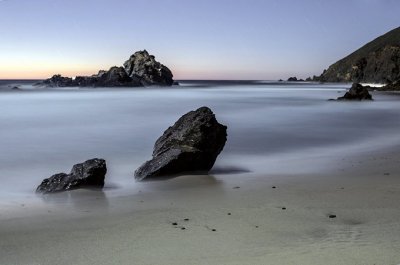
pixel 376 62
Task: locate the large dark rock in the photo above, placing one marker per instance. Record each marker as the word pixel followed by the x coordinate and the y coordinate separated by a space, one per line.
pixel 84 175
pixel 376 62
pixel 357 92
pixel 140 70
pixel 143 66
pixel 192 144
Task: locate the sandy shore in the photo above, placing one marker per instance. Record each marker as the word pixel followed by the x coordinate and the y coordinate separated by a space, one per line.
pixel 222 219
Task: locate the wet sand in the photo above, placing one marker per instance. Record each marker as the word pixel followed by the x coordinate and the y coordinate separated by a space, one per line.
pixel 345 211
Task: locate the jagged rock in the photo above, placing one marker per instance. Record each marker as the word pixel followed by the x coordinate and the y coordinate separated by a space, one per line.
pixel 91 173
pixel 145 68
pixel 192 144
pixel 140 70
pixel 356 92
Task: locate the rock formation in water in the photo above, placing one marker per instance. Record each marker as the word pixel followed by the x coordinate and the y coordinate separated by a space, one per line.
pixel 376 62
pixel 140 70
pixel 192 144
pixel 144 68
pixel 356 92
pixel 294 79
pixel 84 175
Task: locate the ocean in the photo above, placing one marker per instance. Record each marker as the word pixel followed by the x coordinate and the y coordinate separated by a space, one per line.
pixel 273 127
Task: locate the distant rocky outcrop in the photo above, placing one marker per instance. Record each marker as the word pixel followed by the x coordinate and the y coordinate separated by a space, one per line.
pixel 192 144
pixel 356 92
pixel 91 173
pixel 294 79
pixel 140 70
pixel 376 62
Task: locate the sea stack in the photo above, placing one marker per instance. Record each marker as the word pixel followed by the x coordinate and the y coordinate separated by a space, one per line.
pixel 141 69
pixel 192 144
pixel 356 92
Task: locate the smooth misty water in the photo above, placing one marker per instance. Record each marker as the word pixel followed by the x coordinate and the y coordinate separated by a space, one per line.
pixel 45 132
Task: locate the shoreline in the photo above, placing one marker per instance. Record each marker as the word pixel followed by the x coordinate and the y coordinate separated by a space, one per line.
pixel 251 226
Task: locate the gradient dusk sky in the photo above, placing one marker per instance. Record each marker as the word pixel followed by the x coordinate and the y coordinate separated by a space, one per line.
pixel 196 39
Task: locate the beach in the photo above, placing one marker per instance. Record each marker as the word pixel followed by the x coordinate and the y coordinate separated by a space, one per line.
pixel 251 227
pixel 316 184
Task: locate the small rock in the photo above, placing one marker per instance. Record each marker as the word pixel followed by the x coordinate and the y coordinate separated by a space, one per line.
pixel 332 216
pixel 91 173
pixel 174 223
pixel 183 228
pixel 213 230
pixel 237 187
pixel 186 219
pixel 283 208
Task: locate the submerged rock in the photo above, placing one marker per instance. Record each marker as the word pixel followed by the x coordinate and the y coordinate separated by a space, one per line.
pixel 356 92
pixel 192 144
pixel 91 173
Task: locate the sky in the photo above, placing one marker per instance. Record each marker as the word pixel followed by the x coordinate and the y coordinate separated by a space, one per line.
pixel 196 39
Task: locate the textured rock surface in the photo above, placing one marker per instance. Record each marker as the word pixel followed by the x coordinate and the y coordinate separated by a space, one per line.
pixel 376 62
pixel 357 92
pixel 192 144
pixel 143 67
pixel 91 173
pixel 140 70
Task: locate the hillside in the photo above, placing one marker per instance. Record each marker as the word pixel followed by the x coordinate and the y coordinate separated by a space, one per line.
pixel 376 62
